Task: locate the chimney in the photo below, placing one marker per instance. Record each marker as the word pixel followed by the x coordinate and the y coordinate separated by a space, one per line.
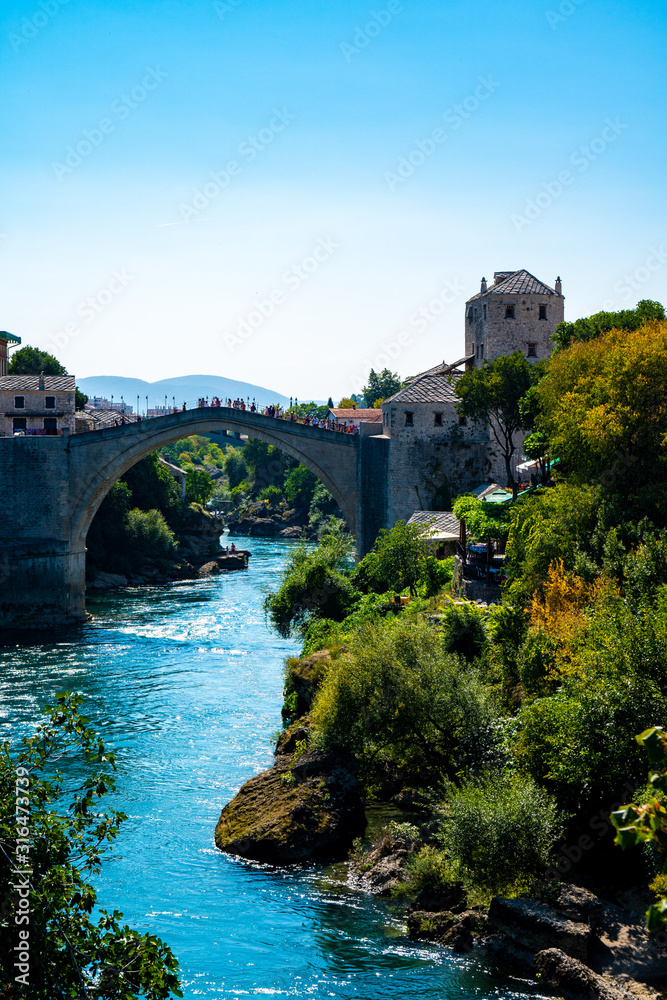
pixel 559 285
pixel 41 380
pixel 483 288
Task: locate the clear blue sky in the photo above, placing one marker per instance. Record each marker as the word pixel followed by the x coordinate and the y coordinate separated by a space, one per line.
pixel 313 252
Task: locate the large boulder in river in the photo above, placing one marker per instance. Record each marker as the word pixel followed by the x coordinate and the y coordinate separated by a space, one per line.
pixel 307 805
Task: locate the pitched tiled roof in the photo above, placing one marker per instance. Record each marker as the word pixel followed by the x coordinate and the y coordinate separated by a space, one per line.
pixel 516 283
pixel 433 386
pixel 357 414
pixel 442 522
pixel 52 383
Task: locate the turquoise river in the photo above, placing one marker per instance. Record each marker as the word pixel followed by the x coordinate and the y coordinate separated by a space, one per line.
pixel 185 682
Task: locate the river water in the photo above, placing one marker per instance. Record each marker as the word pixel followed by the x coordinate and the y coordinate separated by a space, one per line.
pixel 185 683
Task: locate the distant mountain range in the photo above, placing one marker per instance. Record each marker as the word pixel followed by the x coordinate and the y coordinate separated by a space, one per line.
pixel 185 388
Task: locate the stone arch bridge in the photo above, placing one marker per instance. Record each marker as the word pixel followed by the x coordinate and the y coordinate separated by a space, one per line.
pixel 52 487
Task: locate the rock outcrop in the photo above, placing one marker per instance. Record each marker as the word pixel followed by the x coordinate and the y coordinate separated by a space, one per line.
pixel 576 981
pixel 607 939
pixel 383 867
pixel 302 680
pixel 307 805
pixel 537 927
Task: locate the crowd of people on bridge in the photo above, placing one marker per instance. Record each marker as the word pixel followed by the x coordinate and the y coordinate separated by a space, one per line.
pixel 279 413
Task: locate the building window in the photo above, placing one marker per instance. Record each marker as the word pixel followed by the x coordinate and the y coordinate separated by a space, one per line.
pixel 481 350
pixel 19 424
pixel 532 350
pixel 509 312
pixel 437 419
pixel 543 312
pixel 408 418
pixel 463 421
pixel 484 310
pixel 470 314
pixel 50 425
pixel 19 402
pixel 50 402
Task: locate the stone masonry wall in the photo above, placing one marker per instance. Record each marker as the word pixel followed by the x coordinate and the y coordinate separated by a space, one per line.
pixel 424 452
pixel 500 335
pixel 35 409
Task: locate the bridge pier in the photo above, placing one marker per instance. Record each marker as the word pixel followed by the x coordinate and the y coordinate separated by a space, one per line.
pixel 42 584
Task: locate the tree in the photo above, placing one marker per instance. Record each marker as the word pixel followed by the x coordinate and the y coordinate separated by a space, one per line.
pixel 492 394
pixel 50 919
pixel 300 487
pixel 484 521
pixel 315 584
pixel 536 447
pixel 395 694
pixel 330 403
pixel 396 559
pixel 603 411
pixel 31 361
pixel 347 403
pixel 594 326
pixel 381 386
pixel 236 469
pixel 547 525
pixel 648 822
pixel 198 487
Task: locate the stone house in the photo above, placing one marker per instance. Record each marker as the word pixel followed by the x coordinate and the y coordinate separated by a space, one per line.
pixel 431 454
pixel 36 404
pixel 354 417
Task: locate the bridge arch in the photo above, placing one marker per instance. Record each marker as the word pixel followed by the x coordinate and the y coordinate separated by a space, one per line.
pixel 100 458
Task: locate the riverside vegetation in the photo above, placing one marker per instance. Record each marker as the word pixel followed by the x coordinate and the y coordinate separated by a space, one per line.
pixel 262 490
pixel 510 731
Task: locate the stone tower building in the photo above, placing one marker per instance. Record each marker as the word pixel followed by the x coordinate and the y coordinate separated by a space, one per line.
pixel 430 454
pixel 516 313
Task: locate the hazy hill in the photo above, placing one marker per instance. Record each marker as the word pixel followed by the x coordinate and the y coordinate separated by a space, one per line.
pixel 188 388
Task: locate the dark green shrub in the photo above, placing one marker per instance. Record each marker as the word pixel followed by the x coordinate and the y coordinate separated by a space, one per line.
pixel 397 695
pixel 535 659
pixel 499 833
pixel 464 631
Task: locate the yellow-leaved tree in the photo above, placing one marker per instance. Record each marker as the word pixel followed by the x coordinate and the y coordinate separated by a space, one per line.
pixel 603 408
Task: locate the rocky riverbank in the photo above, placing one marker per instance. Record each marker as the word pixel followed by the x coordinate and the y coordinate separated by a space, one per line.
pixel 582 941
pixel 198 555
pixel 274 520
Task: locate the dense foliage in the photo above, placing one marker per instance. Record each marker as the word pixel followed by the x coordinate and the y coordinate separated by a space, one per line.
pixel 529 710
pixel 380 386
pixel 53 823
pixel 591 327
pixel 138 519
